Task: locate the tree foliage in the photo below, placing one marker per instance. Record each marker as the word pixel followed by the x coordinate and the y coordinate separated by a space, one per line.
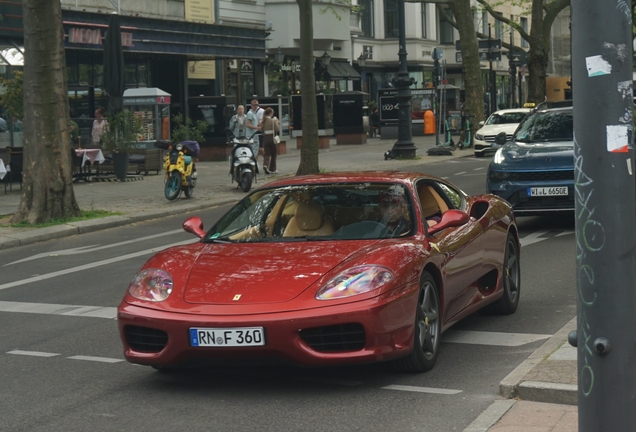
pixel 13 98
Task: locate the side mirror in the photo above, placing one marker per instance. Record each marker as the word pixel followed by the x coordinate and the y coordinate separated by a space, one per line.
pixel 194 225
pixel 481 123
pixel 500 138
pixel 450 219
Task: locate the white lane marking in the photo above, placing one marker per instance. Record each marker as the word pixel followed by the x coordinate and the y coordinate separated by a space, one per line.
pixel 533 238
pixel 332 381
pixel 89 265
pixel 460 173
pixel 477 169
pixel 422 389
pixel 96 359
pixel 564 233
pixel 33 353
pixel 59 309
pixel 92 248
pixel 491 338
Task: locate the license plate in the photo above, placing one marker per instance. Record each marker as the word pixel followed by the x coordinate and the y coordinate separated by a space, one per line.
pixel 227 337
pixel 548 191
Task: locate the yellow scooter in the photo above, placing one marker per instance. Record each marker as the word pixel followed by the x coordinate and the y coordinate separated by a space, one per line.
pixel 181 170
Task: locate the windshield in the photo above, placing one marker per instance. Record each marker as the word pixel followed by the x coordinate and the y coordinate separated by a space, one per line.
pixel 545 126
pixel 505 118
pixel 351 211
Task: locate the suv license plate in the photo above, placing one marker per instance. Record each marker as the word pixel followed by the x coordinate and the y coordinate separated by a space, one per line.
pixel 548 191
pixel 227 337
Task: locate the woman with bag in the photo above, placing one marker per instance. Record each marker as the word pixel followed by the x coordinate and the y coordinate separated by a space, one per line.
pixel 270 127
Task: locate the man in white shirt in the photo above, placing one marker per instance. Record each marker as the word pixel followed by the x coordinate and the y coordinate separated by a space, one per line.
pixel 254 116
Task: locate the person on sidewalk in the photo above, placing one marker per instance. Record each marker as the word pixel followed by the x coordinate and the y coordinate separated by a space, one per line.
pixel 238 122
pixel 270 127
pixel 100 125
pixel 375 123
pixel 254 116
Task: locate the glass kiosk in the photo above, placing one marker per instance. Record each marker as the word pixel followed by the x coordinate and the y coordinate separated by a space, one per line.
pixel 152 106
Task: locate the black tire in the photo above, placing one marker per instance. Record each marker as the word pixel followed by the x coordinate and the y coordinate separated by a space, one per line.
pixel 188 191
pixel 508 303
pixel 428 330
pixel 246 181
pixel 173 185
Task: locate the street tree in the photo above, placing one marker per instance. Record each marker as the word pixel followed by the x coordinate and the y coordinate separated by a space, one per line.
pixel 309 150
pixel 543 13
pixel 47 171
pixel 462 19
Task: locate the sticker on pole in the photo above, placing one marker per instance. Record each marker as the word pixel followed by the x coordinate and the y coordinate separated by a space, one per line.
pixel 617 138
pixel 597 66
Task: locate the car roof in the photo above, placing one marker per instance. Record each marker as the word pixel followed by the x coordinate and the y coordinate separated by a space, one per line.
pixel 513 110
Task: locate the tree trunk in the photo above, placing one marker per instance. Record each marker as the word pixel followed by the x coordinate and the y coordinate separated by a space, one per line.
pixel 309 150
pixel 474 89
pixel 47 172
pixel 537 54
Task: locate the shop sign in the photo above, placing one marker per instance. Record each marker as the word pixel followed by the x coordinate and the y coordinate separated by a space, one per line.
pixel 290 67
pixel 89 36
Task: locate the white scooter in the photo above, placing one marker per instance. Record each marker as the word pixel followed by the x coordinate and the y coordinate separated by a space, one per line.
pixel 242 162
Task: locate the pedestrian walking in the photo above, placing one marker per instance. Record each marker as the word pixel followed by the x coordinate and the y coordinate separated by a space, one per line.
pixel 270 127
pixel 254 116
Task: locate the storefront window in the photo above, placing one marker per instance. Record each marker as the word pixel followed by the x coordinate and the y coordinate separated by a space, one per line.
pixel 367 18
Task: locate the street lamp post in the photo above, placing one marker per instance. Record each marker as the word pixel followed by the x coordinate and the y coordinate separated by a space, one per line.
pixel 403 147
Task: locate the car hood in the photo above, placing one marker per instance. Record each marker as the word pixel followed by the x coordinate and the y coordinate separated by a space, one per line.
pixel 554 155
pixel 262 272
pixel 508 128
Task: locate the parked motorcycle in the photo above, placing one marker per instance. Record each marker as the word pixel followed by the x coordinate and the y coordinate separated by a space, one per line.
pixel 242 162
pixel 180 167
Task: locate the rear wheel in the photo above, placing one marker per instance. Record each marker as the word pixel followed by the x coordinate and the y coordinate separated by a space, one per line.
pixel 246 181
pixel 188 191
pixel 508 303
pixel 173 185
pixel 427 330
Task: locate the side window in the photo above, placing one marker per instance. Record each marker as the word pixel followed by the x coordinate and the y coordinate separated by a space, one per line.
pixel 453 196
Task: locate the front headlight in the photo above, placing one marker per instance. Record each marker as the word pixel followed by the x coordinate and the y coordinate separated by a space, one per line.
pixel 498 175
pixel 179 147
pixel 356 280
pixel 479 137
pixel 152 285
pixel 499 157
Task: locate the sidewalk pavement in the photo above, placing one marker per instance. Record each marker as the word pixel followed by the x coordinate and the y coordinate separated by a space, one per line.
pixel 539 395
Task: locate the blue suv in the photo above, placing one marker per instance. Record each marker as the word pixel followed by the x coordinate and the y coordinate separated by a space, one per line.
pixel 534 171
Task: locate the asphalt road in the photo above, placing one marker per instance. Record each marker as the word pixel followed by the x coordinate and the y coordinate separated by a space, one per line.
pixel 63 369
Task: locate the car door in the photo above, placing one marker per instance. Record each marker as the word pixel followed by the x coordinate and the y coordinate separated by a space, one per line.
pixel 463 254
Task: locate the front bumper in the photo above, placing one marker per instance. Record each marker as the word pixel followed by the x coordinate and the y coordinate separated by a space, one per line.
pixel 516 193
pixel 388 327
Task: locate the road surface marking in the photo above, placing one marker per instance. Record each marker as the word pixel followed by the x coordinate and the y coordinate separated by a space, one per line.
pixel 92 248
pixel 422 389
pixel 332 381
pixel 460 173
pixel 477 169
pixel 96 359
pixel 491 338
pixel 90 265
pixel 59 309
pixel 32 353
pixel 533 238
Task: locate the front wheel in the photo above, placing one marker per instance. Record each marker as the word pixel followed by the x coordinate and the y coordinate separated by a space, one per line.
pixel 427 330
pixel 246 181
pixel 173 185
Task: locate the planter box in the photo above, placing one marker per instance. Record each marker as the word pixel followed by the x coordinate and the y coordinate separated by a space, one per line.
pixel 351 138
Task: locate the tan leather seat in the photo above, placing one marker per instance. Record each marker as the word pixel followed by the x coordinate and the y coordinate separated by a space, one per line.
pixel 309 220
pixel 431 202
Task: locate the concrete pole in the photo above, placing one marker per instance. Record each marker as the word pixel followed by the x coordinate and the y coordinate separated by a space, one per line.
pixel 605 214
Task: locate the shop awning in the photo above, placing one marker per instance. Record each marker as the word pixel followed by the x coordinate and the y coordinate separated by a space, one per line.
pixel 342 70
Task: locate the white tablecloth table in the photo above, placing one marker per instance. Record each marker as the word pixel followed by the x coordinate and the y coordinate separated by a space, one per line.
pixel 3 170
pixel 93 157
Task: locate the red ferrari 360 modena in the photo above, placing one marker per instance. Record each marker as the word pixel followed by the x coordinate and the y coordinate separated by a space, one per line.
pixel 327 269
